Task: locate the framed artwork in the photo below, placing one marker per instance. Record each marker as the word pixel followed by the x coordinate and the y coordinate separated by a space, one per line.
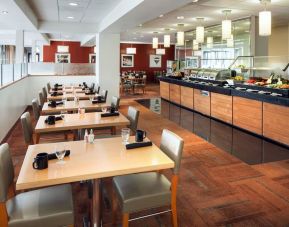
pixel 192 62
pixel 155 61
pixel 127 60
pixel 92 58
pixel 62 58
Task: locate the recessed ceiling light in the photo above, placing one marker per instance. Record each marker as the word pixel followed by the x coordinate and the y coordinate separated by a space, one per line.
pixel 195 0
pixel 180 17
pixel 140 25
pixel 161 15
pixel 4 12
pixel 134 38
pixel 141 36
pixel 73 4
pixel 70 17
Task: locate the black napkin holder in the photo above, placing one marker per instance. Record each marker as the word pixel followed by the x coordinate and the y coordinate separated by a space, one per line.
pixel 138 145
pixel 110 114
pixel 50 120
pixel 56 93
pixel 53 155
pixel 95 101
pixel 54 103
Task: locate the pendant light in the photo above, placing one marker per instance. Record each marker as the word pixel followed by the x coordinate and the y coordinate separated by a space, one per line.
pixel 195 45
pixel 130 50
pixel 210 40
pixel 265 20
pixel 167 40
pixel 155 41
pixel 200 31
pixel 230 42
pixel 226 26
pixel 180 36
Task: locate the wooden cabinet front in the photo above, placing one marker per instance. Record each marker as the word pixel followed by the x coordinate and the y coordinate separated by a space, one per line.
pixel 175 93
pixel 275 122
pixel 165 90
pixel 222 107
pixel 247 114
pixel 202 101
pixel 187 97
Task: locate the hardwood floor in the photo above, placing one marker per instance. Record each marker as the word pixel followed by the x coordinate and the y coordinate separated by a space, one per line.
pixel 215 188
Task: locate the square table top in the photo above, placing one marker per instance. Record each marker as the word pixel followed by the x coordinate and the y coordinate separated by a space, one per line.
pixel 69 96
pixel 73 106
pixel 80 121
pixel 104 158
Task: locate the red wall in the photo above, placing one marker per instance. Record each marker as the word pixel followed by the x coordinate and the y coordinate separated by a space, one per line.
pixel 141 58
pixel 78 54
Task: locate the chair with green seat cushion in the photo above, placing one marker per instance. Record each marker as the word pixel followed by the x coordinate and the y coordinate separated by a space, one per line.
pixel 41 98
pixel 133 115
pixel 36 109
pixel 137 192
pixel 44 92
pixel 52 206
pixel 48 87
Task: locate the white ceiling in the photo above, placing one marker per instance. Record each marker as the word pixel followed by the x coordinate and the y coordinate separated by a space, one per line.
pixel 87 11
pixel 89 16
pixel 211 10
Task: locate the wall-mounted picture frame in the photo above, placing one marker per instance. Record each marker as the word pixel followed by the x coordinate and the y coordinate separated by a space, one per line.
pixel 62 58
pixel 155 61
pixel 127 60
pixel 92 58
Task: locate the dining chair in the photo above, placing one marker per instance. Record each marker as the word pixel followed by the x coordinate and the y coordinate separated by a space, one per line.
pixel 48 87
pixel 115 102
pixel 104 94
pixel 142 191
pixel 97 89
pixel 27 128
pixel 133 115
pixel 140 84
pixel 41 98
pixel 92 86
pixel 44 93
pixel 36 109
pixel 52 206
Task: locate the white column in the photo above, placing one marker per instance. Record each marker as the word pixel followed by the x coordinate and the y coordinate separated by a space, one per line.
pixel 108 62
pixel 41 52
pixel 33 51
pixel 19 46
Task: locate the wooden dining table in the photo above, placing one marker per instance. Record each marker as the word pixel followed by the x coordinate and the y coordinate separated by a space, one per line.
pixel 73 106
pixel 78 121
pixel 69 96
pixel 104 158
pixel 68 90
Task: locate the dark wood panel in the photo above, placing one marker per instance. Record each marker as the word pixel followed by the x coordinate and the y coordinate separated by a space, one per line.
pixel 276 123
pixel 222 107
pixel 247 114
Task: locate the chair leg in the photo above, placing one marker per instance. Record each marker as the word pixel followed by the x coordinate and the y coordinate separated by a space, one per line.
pixel 174 214
pixel 114 208
pixel 125 218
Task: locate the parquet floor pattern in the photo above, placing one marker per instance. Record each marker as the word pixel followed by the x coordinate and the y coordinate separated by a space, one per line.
pixel 215 188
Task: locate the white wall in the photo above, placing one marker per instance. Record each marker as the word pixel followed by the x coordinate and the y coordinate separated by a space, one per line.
pixel 279 41
pixel 15 98
pixel 108 62
pixel 13 102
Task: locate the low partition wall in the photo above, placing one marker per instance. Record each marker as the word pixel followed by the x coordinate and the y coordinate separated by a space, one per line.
pixel 16 96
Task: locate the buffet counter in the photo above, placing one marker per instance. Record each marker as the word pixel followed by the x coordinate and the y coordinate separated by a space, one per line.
pixel 260 114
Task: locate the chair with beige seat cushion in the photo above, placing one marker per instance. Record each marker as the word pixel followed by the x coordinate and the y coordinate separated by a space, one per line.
pixel 52 206
pixel 44 92
pixel 36 109
pixel 48 87
pixel 28 131
pixel 97 89
pixel 27 128
pixel 41 98
pixel 142 191
pixel 133 115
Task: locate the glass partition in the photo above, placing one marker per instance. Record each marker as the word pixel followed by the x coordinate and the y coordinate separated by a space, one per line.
pixel 215 52
pixel 7 74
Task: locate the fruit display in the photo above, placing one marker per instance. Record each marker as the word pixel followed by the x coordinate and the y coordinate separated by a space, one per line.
pixel 274 81
pixel 238 78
